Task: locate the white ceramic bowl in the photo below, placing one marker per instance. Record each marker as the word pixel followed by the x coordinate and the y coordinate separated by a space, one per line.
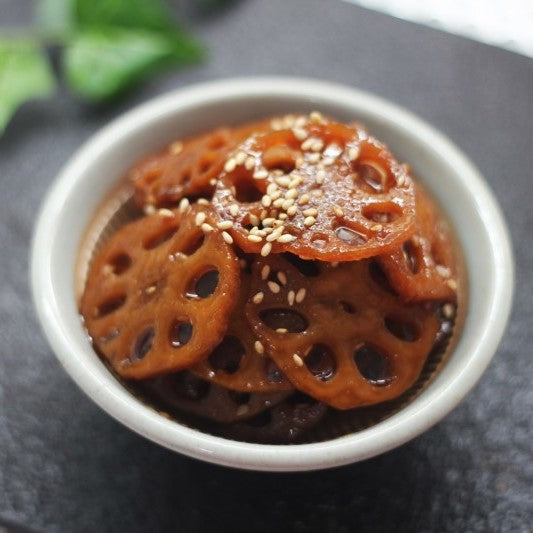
pixel 102 161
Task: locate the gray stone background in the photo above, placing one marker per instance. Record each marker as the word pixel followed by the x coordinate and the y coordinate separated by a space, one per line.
pixel 66 466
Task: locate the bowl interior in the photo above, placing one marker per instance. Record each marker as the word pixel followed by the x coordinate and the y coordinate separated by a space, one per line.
pixel 101 163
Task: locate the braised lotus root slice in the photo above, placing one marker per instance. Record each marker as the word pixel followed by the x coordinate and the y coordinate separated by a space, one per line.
pixel 159 293
pixel 182 169
pixel 321 190
pixel 285 423
pixel 185 392
pixel 340 336
pixel 423 268
pixel 240 362
pixel 187 169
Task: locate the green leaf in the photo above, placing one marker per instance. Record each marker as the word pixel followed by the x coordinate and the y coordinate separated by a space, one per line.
pixel 143 14
pixel 100 63
pixel 24 75
pixel 55 18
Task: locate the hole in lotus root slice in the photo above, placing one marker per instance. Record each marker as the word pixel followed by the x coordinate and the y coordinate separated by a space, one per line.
pixel 320 360
pixel 423 268
pixel 283 424
pixel 187 393
pixel 305 179
pixel 186 169
pixel 240 361
pixel 153 293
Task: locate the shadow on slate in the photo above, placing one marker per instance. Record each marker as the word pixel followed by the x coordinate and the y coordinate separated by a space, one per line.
pixel 66 466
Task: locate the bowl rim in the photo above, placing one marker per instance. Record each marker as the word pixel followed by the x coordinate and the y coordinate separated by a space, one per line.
pixel 439 399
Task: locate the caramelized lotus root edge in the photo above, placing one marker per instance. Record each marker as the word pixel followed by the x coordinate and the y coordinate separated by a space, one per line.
pixel 159 293
pixel 321 191
pixel 240 361
pixel 188 169
pixel 339 336
pixel 423 268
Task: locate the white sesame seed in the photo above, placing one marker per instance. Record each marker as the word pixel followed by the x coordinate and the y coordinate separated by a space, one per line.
pixel 401 180
pixel 320 176
pixel 283 181
pixel 225 224
pixel 309 221
pixel 150 290
pixel 306 145
pixel 300 295
pixel 266 200
pixel 317 145
pixel 227 237
pixel 314 158
pixel 213 182
pixel 277 223
pixel 300 133
pixel 254 238
pixel 311 212
pixel 267 248
pixel 259 348
pixel 448 310
pixel 167 213
pixel 299 162
pixel 304 199
pixel 287 203
pixel 291 193
pixel 415 239
pixel 298 361
pixel 260 174
pixel 276 124
pixel 285 238
pixel 206 228
pixel 254 230
pixel 282 330
pixel 275 234
pixel 290 297
pixel 176 147
pixel 268 221
pixel 273 286
pixel 443 271
pixel 149 210
pixel 277 172
pixel 184 204
pixel 249 163
pixel 282 277
pixel 327 161
pixel 265 271
pixel 316 116
pixel 353 153
pixel 233 190
pixel 295 182
pixel 242 410
pixel 318 193
pixel 332 150
pixel 283 216
pixel 199 219
pixel 376 227
pixel 291 211
pixel 240 158
pixel 258 298
pixel 262 233
pixel 230 165
pixel 452 284
pixel 278 202
pixel 234 210
pixel 254 219
pixel 263 214
pixel 275 195
pixel 202 201
pixel 271 188
pixel 338 211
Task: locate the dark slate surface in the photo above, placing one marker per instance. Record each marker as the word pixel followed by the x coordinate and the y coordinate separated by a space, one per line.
pixel 66 466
